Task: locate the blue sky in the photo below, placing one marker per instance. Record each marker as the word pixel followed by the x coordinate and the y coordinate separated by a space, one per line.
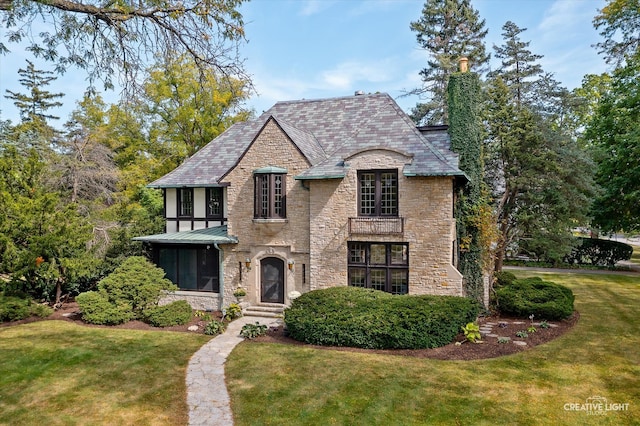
pixel 325 48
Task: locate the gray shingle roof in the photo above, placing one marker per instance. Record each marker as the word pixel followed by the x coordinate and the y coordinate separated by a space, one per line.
pixel 326 131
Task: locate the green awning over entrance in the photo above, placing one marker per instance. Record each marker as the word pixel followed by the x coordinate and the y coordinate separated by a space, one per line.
pixel 214 235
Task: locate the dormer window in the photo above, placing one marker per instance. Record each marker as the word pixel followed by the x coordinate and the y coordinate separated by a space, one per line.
pixel 185 202
pixel 378 193
pixel 270 193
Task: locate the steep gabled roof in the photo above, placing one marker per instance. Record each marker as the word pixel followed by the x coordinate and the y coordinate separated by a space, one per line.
pixel 326 131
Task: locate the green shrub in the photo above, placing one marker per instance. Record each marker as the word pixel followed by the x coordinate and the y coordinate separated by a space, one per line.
pixel 175 313
pixel 40 310
pixel 593 251
pixel 14 308
pixel 357 317
pixel 232 312
pixel 98 309
pixel 137 282
pixel 533 296
pixel 214 327
pixel 504 278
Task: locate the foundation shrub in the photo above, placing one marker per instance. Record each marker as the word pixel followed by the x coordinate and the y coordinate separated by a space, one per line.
pixel 364 318
pixel 175 313
pixel 98 309
pixel 533 296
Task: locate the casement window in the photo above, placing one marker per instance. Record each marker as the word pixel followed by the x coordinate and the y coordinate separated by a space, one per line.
pixel 215 208
pixel 380 266
pixel 185 202
pixel 378 193
pixel 269 196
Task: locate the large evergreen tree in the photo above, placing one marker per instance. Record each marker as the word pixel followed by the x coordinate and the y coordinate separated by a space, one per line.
pixel 446 30
pixel 540 178
pixel 519 68
pixel 38 101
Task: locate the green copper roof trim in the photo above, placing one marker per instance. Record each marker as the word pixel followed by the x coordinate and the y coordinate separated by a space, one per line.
pixel 214 235
pixel 312 177
pixel 270 169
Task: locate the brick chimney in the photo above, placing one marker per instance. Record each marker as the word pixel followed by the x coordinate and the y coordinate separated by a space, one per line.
pixel 464 64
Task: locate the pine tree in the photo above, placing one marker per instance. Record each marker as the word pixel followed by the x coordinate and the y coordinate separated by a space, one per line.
pixel 518 69
pixel 38 101
pixel 447 30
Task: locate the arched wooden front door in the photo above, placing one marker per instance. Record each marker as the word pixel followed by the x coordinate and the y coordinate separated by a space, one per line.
pixel 272 280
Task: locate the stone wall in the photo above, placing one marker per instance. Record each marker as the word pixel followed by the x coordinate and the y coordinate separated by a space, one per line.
pixel 425 203
pixel 287 239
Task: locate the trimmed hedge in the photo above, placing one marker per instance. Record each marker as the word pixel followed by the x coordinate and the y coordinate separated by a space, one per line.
pixel 593 251
pixel 504 278
pixel 544 299
pixel 175 313
pixel 365 318
pixel 97 309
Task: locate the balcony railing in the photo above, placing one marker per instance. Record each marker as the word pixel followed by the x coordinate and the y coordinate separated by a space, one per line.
pixel 376 225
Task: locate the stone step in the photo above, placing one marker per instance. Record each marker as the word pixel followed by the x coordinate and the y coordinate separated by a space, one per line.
pixel 270 310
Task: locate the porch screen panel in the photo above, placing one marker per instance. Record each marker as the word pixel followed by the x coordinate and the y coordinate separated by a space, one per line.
pixel 168 260
pixel 188 269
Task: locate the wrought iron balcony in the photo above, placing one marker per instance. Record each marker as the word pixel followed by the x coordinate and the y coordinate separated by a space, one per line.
pixel 376 225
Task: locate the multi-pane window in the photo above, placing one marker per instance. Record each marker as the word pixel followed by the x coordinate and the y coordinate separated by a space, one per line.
pixel 378 193
pixel 214 203
pixel 270 196
pixel 185 202
pixel 381 266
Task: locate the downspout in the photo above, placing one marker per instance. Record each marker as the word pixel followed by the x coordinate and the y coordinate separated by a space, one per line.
pixel 220 275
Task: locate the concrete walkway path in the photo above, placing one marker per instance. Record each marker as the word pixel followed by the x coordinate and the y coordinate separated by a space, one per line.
pixel 207 394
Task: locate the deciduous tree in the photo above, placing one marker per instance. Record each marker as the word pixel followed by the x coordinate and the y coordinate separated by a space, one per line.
pixel 119 38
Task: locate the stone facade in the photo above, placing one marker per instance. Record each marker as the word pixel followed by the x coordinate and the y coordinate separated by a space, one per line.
pixel 425 206
pixel 286 239
pixel 320 146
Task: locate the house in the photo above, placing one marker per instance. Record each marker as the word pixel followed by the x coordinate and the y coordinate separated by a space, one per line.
pixel 313 194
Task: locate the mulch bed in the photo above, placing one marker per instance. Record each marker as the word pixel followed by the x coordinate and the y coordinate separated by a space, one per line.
pixel 490 348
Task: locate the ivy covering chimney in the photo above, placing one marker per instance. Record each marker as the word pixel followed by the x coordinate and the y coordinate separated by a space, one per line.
pixel 473 213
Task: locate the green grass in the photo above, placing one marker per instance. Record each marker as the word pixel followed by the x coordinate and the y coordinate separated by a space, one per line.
pixel 58 373
pixel 274 384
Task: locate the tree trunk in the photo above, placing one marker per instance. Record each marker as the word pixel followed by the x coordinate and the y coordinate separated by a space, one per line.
pixel 5 4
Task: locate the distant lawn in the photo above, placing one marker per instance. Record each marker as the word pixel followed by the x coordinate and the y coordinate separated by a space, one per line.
pixel 275 384
pixel 58 373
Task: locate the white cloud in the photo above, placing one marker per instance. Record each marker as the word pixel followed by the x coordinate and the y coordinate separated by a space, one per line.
pixel 313 7
pixel 348 74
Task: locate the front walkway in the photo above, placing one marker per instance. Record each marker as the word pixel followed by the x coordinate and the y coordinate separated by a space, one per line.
pixel 207 394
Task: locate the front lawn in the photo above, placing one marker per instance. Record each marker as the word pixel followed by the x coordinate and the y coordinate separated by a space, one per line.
pixel 56 372
pixel 596 362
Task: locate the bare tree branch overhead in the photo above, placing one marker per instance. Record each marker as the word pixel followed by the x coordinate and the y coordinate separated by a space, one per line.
pixel 113 40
